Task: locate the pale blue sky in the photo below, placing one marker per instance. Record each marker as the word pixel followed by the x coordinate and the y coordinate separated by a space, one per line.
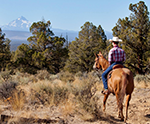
pixel 68 14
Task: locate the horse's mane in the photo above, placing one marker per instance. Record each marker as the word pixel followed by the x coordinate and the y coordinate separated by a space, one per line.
pixel 104 59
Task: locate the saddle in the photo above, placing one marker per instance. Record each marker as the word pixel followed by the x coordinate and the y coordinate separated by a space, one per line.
pixel 118 66
pixel 114 67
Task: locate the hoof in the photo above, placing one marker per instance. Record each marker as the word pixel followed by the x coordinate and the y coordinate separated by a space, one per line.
pixel 103 109
pixel 119 116
pixel 125 120
pixel 122 119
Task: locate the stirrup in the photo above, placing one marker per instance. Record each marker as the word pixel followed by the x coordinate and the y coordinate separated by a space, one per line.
pixel 105 92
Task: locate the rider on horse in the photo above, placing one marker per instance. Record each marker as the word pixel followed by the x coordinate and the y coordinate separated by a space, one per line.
pixel 116 56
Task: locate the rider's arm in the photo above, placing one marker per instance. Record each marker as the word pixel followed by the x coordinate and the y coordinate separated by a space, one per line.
pixel 110 57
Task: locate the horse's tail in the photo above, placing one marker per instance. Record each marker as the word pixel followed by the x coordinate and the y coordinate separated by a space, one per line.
pixel 123 87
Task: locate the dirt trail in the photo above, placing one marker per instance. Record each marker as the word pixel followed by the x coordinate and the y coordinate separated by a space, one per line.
pixel 139 109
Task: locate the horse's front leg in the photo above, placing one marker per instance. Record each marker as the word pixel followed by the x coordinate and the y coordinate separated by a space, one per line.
pixel 104 102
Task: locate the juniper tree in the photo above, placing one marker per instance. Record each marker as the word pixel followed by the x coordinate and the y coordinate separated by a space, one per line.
pixel 45 51
pixel 5 53
pixel 81 51
pixel 135 32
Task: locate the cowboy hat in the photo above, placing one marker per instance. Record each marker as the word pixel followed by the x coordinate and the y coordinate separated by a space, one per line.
pixel 115 39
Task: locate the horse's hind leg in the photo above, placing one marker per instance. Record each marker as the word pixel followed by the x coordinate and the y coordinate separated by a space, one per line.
pixel 128 97
pixel 120 107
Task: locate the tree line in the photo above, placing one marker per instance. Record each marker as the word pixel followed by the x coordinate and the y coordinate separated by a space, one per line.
pixel 53 53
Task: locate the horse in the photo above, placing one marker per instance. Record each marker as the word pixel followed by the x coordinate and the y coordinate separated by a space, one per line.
pixel 120 83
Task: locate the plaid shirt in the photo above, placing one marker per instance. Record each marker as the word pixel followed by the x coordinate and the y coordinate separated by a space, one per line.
pixel 116 54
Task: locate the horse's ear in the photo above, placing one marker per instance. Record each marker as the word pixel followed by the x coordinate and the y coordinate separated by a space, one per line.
pixel 95 54
pixel 100 53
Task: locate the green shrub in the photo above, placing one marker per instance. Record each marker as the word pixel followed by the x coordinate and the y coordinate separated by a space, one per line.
pixel 79 74
pixel 85 95
pixel 139 78
pixel 47 93
pixel 66 76
pixel 60 94
pixel 43 75
pixel 7 89
pixel 41 93
pixel 23 78
pixel 5 76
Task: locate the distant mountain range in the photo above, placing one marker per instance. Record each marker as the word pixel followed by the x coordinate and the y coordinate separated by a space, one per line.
pixel 19 37
pixel 18 32
pixel 20 24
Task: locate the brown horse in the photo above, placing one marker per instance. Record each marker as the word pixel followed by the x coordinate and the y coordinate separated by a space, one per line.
pixel 120 83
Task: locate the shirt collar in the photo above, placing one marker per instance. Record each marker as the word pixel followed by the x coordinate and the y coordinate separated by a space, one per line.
pixel 115 45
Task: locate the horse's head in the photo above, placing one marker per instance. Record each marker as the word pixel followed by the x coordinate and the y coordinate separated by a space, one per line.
pixel 97 64
pixel 100 62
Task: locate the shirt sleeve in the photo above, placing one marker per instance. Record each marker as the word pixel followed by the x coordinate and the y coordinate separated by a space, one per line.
pixel 110 56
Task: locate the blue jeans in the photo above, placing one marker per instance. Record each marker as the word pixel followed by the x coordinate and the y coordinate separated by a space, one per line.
pixel 104 75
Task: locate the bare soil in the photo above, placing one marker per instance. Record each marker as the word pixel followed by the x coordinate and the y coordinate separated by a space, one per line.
pixel 139 112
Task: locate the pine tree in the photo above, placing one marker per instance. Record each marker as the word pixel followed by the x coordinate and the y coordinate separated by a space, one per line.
pixel 81 51
pixel 135 33
pixel 49 51
pixel 45 51
pixel 23 59
pixel 5 53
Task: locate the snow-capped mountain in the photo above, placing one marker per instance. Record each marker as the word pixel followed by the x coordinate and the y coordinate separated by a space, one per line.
pixel 20 24
pixel 18 32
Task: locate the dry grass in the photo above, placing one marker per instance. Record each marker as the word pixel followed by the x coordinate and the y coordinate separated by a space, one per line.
pixel 86 116
pixel 41 92
pixel 7 89
pixel 71 94
pixel 85 88
pixel 1 109
pixel 78 94
pixel 47 93
pixel 142 81
pixel 23 78
pixel 66 77
pixel 18 100
pixel 68 107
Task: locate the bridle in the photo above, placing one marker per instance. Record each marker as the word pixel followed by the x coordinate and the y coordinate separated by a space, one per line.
pixel 100 67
